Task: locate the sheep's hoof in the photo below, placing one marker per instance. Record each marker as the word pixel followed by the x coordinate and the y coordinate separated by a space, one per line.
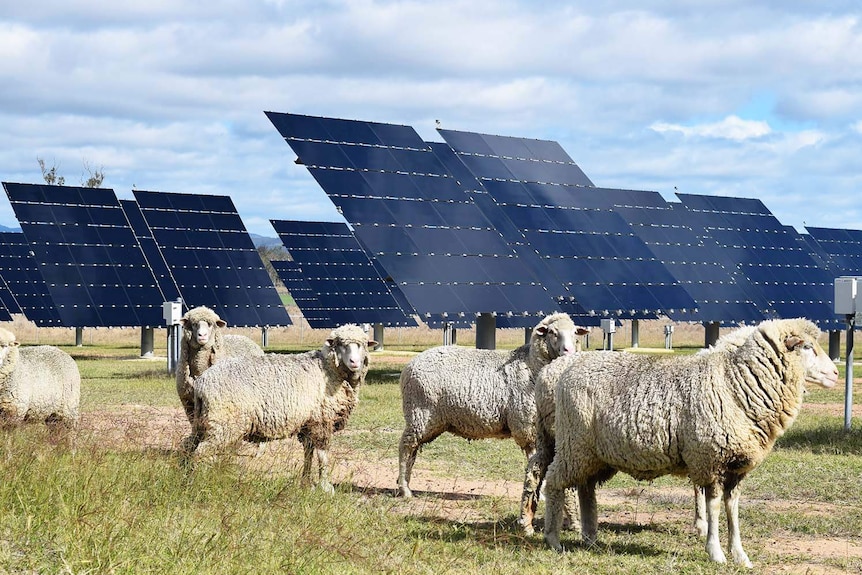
pixel 553 541
pixel 404 491
pixel 326 487
pixel 528 529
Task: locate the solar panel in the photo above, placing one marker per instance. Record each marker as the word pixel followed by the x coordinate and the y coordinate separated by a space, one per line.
pixel 306 299
pixel 151 251
pixel 690 260
pixel 211 257
pixel 776 271
pixel 27 293
pixel 543 202
pixel 87 254
pixel 338 270
pixel 841 248
pixel 412 216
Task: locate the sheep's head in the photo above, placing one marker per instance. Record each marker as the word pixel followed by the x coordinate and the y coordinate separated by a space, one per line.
pixel 556 335
pixel 8 351
pixel 348 345
pixel 800 336
pixel 201 326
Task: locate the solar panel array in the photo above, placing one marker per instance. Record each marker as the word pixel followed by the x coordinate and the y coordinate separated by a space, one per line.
pixel 842 249
pixel 211 257
pixel 414 219
pixel 768 260
pixel 27 292
pixel 306 298
pixel 87 255
pixel 570 225
pixel 340 274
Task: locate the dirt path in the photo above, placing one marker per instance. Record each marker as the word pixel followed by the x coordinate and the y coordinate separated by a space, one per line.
pixel 146 427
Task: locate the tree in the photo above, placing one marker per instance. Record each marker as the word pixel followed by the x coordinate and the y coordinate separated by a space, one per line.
pixel 94 180
pixel 50 176
pixel 269 253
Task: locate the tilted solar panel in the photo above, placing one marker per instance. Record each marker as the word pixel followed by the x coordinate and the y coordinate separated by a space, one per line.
pixel 20 272
pixel 151 251
pixel 87 254
pixel 543 201
pixel 211 257
pixel 338 270
pixel 414 219
pixel 305 297
pixel 776 271
pixel 691 261
pixel 842 248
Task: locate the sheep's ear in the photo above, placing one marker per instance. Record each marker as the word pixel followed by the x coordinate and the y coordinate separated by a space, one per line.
pixel 793 341
pixel 582 330
pixel 541 330
pixel 14 344
pixel 372 344
pixel 184 321
pixel 329 342
pixel 221 323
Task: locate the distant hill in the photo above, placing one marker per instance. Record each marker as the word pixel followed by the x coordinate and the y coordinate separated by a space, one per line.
pixel 265 241
pixel 8 229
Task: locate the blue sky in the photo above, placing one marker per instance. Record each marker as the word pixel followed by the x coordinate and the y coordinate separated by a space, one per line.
pixel 726 98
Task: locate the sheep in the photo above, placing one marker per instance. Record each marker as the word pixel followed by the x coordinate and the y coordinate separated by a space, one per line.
pixel 537 466
pixel 38 383
pixel 477 393
pixel 257 399
pixel 201 346
pixel 713 416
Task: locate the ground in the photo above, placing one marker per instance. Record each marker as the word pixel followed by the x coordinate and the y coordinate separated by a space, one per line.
pixel 146 427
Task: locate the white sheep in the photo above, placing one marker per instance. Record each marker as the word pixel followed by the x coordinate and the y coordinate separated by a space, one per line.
pixel 40 384
pixel 203 343
pixel 309 395
pixel 537 466
pixel 477 393
pixel 713 416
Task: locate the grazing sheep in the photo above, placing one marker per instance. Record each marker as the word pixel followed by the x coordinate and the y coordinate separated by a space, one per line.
pixel 477 393
pixel 713 416
pixel 39 383
pixel 257 399
pixel 202 345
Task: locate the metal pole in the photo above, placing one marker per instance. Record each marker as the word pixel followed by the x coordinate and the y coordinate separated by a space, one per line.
pixel 635 333
pixel 848 375
pixel 486 331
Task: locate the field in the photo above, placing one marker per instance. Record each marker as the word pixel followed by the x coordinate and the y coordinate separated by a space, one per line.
pixel 120 500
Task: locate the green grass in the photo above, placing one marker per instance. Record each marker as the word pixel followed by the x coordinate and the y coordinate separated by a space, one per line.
pixel 100 509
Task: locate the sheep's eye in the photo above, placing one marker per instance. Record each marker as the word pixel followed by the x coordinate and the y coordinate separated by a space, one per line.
pixel 807 345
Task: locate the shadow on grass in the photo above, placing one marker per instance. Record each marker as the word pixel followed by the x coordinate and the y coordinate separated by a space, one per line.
pixel 392 492
pixel 824 439
pixel 507 531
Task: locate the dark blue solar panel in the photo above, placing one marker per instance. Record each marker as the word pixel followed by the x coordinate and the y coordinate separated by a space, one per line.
pixel 402 207
pixel 339 272
pixel 151 250
pixel 20 273
pixel 87 255
pixel 548 205
pixel 768 259
pixel 692 262
pixel 841 248
pixel 211 257
pixel 305 297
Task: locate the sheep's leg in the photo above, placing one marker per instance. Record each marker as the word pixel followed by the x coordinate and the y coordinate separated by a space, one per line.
pixel 713 505
pixel 408 448
pixel 533 475
pixel 589 511
pixel 731 508
pixel 556 481
pixel 572 511
pixel 700 511
pixel 323 470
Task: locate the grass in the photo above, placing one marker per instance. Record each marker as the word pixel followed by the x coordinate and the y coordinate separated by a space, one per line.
pixel 108 509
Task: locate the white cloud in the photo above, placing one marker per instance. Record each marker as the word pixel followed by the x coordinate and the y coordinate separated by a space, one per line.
pixel 730 128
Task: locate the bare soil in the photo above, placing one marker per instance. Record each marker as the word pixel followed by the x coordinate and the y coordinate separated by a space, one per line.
pixel 140 427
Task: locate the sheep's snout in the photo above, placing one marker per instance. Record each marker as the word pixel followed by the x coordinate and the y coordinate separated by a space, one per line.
pixel 203 333
pixel 819 368
pixel 352 356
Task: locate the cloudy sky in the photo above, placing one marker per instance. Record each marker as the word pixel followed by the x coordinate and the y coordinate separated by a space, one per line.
pixel 730 97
